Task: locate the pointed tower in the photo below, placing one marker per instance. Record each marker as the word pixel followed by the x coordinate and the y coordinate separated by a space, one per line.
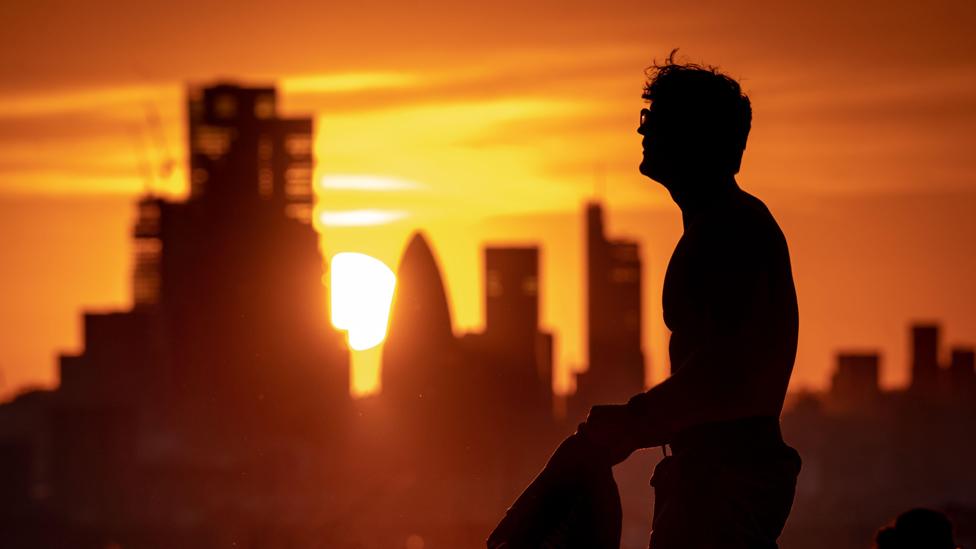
pixel 420 346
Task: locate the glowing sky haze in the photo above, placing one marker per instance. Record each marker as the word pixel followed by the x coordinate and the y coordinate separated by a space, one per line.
pixel 494 125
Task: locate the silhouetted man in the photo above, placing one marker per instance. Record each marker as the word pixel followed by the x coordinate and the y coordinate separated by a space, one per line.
pixel 730 304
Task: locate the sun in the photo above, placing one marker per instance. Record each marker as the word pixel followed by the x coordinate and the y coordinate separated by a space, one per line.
pixel 361 290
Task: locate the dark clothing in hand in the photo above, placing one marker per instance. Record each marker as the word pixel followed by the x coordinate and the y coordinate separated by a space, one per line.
pixel 572 504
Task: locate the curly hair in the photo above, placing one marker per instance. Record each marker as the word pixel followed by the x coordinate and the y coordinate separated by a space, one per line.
pixel 702 99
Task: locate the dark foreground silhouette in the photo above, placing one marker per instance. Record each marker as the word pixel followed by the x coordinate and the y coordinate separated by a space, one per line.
pixel 917 529
pixel 730 304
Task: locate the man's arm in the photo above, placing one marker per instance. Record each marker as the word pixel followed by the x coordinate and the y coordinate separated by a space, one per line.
pixel 723 378
pixel 709 386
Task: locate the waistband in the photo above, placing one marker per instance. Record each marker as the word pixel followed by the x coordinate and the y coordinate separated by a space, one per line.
pixel 741 435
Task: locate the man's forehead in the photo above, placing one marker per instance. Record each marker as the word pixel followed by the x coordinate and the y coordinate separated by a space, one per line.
pixel 676 106
pixel 658 107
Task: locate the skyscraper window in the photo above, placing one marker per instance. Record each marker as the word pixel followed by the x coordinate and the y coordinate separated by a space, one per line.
pixel 264 106
pixel 225 106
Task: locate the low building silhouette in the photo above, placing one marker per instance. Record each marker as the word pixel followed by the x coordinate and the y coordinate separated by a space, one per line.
pixel 870 453
pixel 962 374
pixel 854 385
pixel 925 360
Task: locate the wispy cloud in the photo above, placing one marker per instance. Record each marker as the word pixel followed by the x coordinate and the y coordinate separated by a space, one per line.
pixel 360 218
pixel 347 82
pixel 366 182
pixel 103 98
pixel 520 76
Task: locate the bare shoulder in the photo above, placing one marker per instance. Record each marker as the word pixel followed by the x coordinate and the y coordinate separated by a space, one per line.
pixel 751 214
pixel 744 224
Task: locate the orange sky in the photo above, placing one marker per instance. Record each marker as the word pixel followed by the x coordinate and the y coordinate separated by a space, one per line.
pixel 492 124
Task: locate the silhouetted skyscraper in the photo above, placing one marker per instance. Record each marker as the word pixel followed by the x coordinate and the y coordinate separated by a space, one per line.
pixel 614 298
pixel 240 149
pixel 228 334
pixel 509 369
pixel 522 355
pixel 420 345
pixel 512 295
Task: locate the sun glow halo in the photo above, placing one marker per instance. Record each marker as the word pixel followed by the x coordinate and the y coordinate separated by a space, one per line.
pixel 361 289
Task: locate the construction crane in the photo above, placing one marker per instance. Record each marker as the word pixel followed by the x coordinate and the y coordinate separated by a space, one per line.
pixel 156 164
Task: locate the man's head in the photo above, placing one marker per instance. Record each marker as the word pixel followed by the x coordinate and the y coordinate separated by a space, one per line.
pixel 696 125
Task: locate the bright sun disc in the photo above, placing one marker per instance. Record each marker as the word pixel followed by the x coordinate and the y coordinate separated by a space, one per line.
pixel 362 289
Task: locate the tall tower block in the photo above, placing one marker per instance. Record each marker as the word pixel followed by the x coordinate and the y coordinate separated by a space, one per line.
pixel 613 314
pixel 512 295
pixel 523 354
pixel 240 149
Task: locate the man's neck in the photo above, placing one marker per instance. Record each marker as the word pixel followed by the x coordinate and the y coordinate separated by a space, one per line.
pixel 695 195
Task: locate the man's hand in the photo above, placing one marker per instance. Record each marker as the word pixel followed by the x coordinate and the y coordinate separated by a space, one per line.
pixel 611 429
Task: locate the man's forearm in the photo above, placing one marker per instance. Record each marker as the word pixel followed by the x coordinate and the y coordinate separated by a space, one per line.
pixel 706 388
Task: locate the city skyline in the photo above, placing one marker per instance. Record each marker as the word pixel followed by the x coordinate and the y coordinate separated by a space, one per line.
pixel 357 275
pixel 217 406
pixel 500 128
pixel 243 152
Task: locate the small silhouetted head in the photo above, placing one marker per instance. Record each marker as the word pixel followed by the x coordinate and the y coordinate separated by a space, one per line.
pixel 696 125
pixel 917 529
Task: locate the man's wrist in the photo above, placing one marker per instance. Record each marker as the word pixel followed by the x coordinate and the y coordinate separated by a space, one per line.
pixel 649 427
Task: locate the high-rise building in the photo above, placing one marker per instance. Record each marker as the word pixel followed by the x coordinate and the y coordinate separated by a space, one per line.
pixel 613 315
pixel 240 149
pixel 521 353
pixel 228 333
pixel 512 295
pixel 419 354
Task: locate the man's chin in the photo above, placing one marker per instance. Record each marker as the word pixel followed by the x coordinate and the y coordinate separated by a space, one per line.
pixel 647 170
pixel 653 173
pixel 644 168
